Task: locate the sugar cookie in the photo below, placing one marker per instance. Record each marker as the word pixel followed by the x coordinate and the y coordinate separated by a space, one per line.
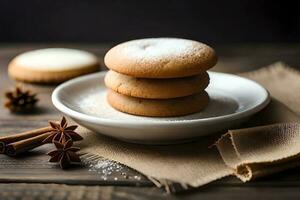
pixel 158 108
pixel 156 88
pixel 160 58
pixel 52 65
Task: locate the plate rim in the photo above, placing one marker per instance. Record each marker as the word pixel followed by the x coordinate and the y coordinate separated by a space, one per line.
pixel 98 120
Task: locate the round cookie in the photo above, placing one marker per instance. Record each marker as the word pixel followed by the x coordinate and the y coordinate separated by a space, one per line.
pixel 158 108
pixel 160 58
pixel 52 65
pixel 156 88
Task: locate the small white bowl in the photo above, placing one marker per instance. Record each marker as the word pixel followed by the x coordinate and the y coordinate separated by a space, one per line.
pixel 233 100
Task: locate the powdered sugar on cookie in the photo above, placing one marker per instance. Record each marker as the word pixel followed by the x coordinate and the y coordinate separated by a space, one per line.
pixel 161 48
pixel 160 58
pixel 55 59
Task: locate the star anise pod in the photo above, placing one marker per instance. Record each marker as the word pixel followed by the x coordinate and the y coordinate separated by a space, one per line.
pixel 20 100
pixel 65 154
pixel 61 132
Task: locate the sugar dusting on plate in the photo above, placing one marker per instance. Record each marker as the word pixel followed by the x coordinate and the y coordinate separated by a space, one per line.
pixel 95 104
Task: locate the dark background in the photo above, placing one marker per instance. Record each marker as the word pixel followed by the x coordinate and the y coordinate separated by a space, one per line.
pixel 97 21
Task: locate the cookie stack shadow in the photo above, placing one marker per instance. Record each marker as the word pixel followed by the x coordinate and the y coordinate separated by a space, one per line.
pixel 159 77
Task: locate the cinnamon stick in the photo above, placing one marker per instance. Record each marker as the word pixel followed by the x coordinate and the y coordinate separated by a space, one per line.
pixel 5 140
pixel 21 136
pixel 2 147
pixel 22 146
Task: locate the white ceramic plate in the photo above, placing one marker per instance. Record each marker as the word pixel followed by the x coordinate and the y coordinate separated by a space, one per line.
pixel 233 100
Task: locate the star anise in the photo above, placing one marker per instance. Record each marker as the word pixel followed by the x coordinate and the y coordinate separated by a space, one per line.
pixel 61 132
pixel 20 100
pixel 65 154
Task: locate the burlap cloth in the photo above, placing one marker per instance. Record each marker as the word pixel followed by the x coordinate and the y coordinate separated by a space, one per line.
pixel 246 153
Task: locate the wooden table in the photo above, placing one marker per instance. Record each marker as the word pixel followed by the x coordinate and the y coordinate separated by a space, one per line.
pixel 32 176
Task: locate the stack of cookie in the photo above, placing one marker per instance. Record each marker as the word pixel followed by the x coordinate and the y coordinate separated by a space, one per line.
pixel 159 77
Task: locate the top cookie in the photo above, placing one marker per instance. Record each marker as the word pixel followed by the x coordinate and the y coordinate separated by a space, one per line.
pixel 52 65
pixel 160 58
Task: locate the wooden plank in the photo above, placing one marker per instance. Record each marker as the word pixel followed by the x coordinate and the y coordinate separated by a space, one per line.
pixel 54 191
